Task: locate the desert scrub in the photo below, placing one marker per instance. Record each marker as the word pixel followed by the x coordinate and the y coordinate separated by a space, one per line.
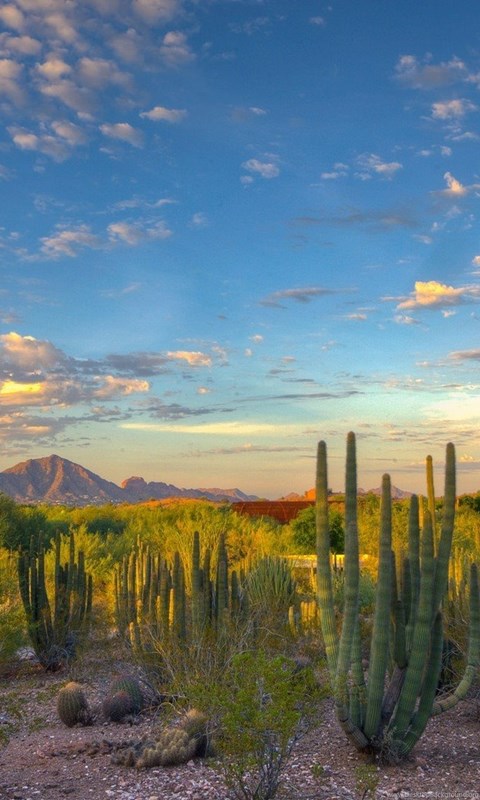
pixel 259 710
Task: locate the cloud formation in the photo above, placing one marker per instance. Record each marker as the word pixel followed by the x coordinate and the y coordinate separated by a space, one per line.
pixel 435 295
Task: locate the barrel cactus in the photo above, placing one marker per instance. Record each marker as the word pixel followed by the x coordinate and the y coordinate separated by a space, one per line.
pixel 131 686
pixel 72 706
pixel 116 707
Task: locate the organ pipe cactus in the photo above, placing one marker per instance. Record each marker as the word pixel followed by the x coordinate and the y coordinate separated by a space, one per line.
pixel 386 712
pixel 54 626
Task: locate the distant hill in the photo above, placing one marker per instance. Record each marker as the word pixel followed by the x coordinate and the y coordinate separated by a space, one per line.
pixel 397 494
pixel 58 481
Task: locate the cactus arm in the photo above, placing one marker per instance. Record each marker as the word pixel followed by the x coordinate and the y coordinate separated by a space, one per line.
pixel 473 656
pixel 358 689
pixel 421 637
pixel 424 711
pixel 431 498
pixel 324 576
pixel 445 544
pixel 414 565
pixel 381 622
pixel 350 619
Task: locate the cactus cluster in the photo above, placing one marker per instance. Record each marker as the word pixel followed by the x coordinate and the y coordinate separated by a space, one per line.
pixel 407 637
pixel 72 706
pixel 54 626
pixel 175 744
pixel 152 603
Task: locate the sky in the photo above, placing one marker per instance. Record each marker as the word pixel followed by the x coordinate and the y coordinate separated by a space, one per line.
pixel 232 228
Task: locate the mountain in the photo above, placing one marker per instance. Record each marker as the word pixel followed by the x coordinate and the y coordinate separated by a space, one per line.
pixel 61 482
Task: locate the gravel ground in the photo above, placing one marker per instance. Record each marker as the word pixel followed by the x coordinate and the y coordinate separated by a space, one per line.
pixel 41 759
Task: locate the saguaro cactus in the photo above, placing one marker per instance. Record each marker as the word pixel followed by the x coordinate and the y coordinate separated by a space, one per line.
pixel 389 721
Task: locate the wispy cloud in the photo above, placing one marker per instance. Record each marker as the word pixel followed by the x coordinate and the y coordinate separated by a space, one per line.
pixel 370 165
pixel 68 242
pixel 135 233
pixel 234 428
pixel 452 109
pixel 304 295
pixel 465 355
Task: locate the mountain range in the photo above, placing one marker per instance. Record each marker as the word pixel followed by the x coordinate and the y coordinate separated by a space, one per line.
pixel 58 481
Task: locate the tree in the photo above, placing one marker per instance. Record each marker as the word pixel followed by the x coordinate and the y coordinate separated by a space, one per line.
pixel 304 531
pixel 20 524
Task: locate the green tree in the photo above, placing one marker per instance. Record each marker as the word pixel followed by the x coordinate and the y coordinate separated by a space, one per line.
pixel 304 531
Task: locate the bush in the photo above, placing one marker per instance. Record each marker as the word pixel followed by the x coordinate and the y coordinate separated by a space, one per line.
pixel 261 707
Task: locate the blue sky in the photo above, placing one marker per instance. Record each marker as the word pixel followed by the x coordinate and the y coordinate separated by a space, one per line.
pixel 231 228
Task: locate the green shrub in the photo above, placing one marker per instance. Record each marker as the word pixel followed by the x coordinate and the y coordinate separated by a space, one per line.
pixel 260 708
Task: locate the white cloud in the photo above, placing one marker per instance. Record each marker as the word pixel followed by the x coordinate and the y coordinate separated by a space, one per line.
pixel 160 113
pixel 68 242
pixel 370 164
pixel 134 234
pixel 175 49
pixel 19 45
pixel 101 72
pixel 199 220
pixel 53 68
pixel 157 10
pixel 266 169
pixel 339 170
pixel 410 71
pixel 257 338
pixel 12 17
pixel 71 95
pixel 62 27
pixel 58 145
pixel 124 132
pixel 70 132
pixel 452 109
pixel 10 76
pixel 320 21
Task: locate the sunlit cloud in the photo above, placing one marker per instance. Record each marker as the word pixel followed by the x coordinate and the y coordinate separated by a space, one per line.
pixel 193 359
pixel 432 294
pixel 112 387
pixel 236 428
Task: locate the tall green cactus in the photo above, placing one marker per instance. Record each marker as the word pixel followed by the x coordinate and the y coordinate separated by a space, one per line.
pixel 383 716
pixel 54 633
